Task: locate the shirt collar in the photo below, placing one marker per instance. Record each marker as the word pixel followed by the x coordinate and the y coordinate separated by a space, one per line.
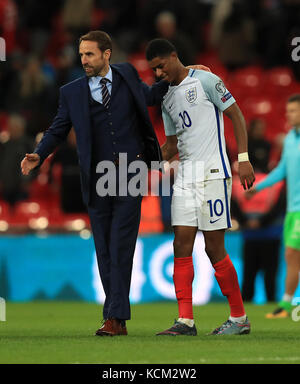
pixel 97 79
pixel 296 129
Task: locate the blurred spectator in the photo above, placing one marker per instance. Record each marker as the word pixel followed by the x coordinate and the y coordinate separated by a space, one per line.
pixel 13 185
pixel 276 150
pixel 32 96
pixel 259 148
pixel 118 54
pixel 9 70
pixel 77 17
pixel 271 27
pixel 35 24
pixel 190 16
pixel 66 68
pixel 8 24
pixel 38 32
pixel 233 33
pixel 261 221
pixel 166 28
pixel 70 189
pixel 120 21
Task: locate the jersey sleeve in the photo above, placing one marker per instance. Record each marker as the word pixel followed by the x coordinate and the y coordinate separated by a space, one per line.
pixel 169 126
pixel 215 90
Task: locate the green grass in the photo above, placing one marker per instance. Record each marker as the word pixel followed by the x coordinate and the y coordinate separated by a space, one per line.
pixel 63 332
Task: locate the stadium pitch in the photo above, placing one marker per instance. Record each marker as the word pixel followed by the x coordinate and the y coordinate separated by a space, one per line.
pixel 63 332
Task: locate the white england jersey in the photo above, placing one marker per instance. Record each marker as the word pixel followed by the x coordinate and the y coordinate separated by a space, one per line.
pixel 193 111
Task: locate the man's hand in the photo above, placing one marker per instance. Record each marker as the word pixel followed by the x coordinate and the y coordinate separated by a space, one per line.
pixel 246 174
pixel 199 66
pixel 249 194
pixel 30 161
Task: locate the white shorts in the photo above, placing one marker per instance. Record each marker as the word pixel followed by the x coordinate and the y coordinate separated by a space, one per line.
pixel 204 204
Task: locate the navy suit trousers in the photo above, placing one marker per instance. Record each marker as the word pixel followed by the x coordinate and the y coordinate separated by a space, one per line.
pixel 115 222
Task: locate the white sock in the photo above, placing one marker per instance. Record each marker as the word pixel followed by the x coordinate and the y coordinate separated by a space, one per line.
pixel 241 319
pixel 188 322
pixel 287 298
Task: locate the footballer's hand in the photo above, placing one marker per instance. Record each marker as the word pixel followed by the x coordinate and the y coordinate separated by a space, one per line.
pixel 246 174
pixel 30 161
pixel 250 193
pixel 199 66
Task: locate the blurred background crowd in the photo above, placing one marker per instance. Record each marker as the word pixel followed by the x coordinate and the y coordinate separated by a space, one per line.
pixel 246 43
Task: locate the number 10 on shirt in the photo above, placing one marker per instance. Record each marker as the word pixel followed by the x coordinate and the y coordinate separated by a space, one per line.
pixel 186 120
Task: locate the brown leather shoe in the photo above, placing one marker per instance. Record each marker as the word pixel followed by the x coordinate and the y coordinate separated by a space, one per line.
pixel 111 327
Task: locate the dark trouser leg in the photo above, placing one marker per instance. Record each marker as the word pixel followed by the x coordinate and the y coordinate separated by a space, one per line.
pixel 124 231
pixel 270 257
pixel 100 217
pixel 250 268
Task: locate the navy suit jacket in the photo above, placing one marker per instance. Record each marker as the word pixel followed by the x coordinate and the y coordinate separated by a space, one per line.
pixel 74 111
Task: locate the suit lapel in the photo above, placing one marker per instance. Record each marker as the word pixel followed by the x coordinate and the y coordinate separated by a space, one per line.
pixel 131 82
pixel 116 81
pixel 83 102
pixel 85 95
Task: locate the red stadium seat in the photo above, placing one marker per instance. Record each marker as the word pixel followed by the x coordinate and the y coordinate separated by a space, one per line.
pixel 98 16
pixel 68 221
pixel 30 213
pixel 257 106
pixel 4 216
pixel 280 76
pixel 4 210
pixel 150 215
pixel 3 121
pixel 246 82
pixel 275 124
pixel 212 61
pixel 219 71
pixel 32 208
pixel 269 108
pixel 39 188
pixel 280 82
pixel 138 60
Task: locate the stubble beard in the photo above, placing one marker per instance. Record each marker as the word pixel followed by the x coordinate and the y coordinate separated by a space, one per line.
pixel 95 71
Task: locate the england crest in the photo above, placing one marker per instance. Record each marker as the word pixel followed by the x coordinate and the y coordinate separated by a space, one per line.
pixel 191 94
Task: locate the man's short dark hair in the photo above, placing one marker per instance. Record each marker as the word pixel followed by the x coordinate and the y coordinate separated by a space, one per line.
pixel 294 98
pixel 102 38
pixel 159 48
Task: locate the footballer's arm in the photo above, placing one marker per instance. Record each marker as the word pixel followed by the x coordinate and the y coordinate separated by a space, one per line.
pixel 169 148
pixel 246 172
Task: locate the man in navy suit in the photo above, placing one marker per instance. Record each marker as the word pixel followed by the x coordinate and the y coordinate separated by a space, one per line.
pixel 108 110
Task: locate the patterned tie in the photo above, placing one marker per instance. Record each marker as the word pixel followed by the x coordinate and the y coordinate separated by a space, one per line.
pixel 105 93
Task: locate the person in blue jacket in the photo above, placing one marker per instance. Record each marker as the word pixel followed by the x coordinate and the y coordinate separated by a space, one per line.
pixel 108 110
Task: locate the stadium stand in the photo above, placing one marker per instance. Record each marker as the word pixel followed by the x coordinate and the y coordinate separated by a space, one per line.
pixel 261 93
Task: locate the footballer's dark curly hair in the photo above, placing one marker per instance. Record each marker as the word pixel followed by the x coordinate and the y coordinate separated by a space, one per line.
pixel 159 48
pixel 294 98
